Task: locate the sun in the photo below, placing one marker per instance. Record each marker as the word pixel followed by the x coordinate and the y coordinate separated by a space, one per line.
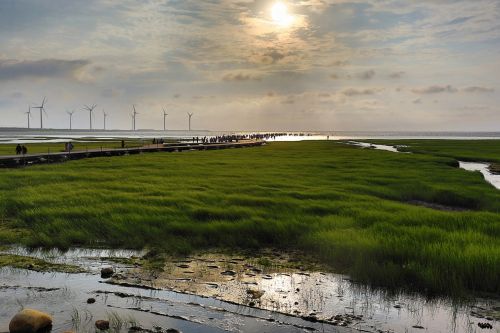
pixel 280 15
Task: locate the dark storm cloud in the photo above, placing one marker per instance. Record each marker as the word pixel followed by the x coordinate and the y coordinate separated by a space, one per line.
pixel 13 69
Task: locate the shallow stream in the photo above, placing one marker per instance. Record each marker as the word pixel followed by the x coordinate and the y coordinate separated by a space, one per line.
pixel 290 299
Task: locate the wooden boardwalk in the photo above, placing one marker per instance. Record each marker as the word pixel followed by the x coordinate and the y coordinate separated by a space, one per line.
pixel 12 161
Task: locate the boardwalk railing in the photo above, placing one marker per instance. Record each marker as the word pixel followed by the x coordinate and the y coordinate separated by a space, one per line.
pixel 13 161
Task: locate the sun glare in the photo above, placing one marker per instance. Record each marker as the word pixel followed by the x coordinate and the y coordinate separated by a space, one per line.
pixel 280 15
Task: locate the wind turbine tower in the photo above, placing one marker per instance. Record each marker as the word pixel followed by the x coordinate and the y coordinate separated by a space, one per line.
pixel 165 114
pixel 134 114
pixel 90 109
pixel 190 115
pixel 105 116
pixel 42 111
pixel 70 113
pixel 28 114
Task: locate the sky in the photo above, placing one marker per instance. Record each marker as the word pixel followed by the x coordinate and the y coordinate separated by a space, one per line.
pixel 331 65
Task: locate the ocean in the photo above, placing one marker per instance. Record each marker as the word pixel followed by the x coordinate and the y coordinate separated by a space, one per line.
pixel 17 135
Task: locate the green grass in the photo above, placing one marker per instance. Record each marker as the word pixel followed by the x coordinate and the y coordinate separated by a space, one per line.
pixel 465 150
pixel 39 265
pixel 42 148
pixel 345 205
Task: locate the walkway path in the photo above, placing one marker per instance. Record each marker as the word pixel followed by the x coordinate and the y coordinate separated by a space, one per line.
pixel 29 159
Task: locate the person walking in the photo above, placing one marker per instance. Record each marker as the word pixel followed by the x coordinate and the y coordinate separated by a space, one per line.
pixel 24 150
pixel 18 149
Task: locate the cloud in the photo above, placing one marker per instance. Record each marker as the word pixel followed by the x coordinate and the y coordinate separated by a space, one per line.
pixel 14 69
pixel 17 95
pixel 435 89
pixel 288 100
pixel 366 75
pixel 361 92
pixel 460 20
pixel 476 89
pixel 110 92
pixel 397 75
pixel 478 107
pixel 240 77
pixel 274 55
pixel 339 63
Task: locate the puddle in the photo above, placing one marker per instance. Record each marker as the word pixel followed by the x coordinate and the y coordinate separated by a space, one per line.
pixel 64 296
pixel 313 295
pixel 393 149
pixel 217 293
pixel 490 177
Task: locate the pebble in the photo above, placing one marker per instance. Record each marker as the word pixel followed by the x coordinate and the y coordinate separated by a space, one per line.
pixel 102 325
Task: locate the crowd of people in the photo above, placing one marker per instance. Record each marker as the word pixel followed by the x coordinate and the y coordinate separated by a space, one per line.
pixel 237 137
pixel 158 141
pixel 265 136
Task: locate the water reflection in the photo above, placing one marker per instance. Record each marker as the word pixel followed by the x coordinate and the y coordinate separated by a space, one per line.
pixel 491 178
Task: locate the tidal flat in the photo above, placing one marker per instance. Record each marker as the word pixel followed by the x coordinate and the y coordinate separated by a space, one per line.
pixel 371 216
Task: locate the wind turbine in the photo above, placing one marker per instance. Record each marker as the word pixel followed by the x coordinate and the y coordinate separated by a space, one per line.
pixel 165 114
pixel 70 119
pixel 190 115
pixel 134 114
pixel 105 115
pixel 42 111
pixel 28 114
pixel 90 109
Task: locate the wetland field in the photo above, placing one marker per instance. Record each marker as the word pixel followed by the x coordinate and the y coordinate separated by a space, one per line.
pixel 290 236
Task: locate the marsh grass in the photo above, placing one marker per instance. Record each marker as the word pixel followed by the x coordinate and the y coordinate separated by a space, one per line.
pixel 345 205
pixel 464 150
pixel 39 265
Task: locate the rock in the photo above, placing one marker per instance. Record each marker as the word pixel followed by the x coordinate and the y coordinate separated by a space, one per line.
pixel 91 301
pixel 107 272
pixel 173 330
pixel 255 294
pixel 418 326
pixel 183 266
pixel 30 321
pixel 229 273
pixel 311 318
pixel 485 325
pixel 102 325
